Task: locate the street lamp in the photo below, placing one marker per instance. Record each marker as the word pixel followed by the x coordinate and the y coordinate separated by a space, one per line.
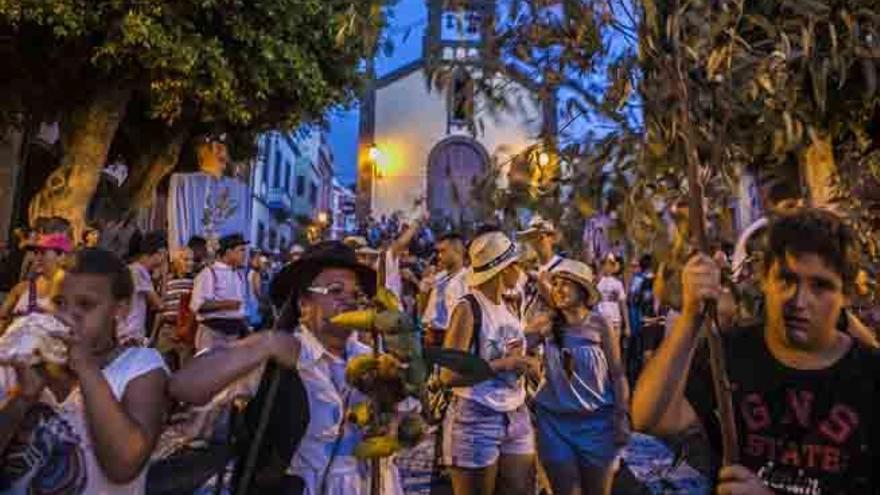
pixel 543 159
pixel 379 160
pixel 322 218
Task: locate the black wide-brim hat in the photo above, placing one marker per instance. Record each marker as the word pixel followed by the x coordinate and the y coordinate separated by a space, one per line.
pixel 294 278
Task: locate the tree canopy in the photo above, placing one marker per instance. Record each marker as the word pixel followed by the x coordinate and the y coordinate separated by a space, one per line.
pixel 783 90
pixel 205 66
pixel 265 63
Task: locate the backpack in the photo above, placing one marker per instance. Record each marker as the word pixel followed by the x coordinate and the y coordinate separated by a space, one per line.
pixel 287 407
pixel 439 396
pixel 185 330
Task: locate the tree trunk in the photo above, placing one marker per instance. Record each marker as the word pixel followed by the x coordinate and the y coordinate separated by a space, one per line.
pixel 86 133
pixel 11 142
pixel 154 163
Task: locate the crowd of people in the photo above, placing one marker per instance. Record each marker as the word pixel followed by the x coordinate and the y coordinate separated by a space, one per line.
pixel 582 352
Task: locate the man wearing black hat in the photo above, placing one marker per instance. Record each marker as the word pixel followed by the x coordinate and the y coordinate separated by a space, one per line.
pixel 219 294
pixel 313 353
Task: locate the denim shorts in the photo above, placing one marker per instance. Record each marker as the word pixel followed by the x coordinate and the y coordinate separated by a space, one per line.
pixel 576 438
pixel 475 436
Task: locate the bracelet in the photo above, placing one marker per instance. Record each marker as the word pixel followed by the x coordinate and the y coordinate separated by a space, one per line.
pixel 13 392
pixel 16 392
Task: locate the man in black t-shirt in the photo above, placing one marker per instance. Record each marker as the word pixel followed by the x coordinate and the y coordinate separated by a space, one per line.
pixel 803 392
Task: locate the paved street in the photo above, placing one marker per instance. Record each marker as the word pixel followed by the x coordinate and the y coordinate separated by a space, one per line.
pixel 648 461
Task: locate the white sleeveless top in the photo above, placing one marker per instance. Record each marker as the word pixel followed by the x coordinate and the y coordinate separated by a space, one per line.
pixel 56 453
pixel 499 328
pixel 44 304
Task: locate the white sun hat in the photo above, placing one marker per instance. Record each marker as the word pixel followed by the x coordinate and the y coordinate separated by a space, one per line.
pixel 490 253
pixel 355 241
pixel 537 225
pixel 581 274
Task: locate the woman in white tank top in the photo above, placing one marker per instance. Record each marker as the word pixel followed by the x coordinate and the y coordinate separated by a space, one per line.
pixel 33 295
pixel 487 436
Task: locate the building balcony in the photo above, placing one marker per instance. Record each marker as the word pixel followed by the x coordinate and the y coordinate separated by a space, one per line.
pixel 279 201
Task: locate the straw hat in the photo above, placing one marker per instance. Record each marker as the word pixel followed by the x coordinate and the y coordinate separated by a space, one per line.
pixel 490 253
pixel 294 278
pixel 537 225
pixel 368 251
pixel 355 241
pixel 581 274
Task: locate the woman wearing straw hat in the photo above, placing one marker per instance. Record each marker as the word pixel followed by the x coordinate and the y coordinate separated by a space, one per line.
pixel 33 294
pixel 487 434
pixel 581 409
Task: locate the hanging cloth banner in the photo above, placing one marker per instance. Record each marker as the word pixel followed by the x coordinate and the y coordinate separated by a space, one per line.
pixel 199 204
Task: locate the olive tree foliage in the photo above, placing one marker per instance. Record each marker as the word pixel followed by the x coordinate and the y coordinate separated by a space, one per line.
pixel 783 89
pixel 167 70
pixel 579 53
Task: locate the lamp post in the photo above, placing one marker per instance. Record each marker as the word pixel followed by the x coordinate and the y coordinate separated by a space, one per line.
pixel 377 158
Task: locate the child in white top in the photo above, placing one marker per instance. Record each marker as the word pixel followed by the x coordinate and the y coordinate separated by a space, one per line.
pixel 89 428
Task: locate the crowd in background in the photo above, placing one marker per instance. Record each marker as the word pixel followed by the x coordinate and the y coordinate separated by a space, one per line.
pixel 582 350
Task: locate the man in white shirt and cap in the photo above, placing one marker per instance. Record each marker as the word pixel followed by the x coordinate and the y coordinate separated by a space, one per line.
pixel 448 286
pixel 542 237
pixel 219 294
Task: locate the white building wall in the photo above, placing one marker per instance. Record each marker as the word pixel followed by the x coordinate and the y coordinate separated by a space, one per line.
pixel 410 120
pixel 275 152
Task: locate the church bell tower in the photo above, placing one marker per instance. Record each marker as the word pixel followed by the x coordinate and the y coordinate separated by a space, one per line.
pixel 458 30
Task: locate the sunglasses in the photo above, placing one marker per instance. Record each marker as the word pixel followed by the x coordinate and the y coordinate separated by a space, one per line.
pixel 337 291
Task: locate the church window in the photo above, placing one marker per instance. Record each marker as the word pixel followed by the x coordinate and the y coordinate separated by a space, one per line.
pixel 277 167
pixel 261 234
pixel 300 185
pixel 461 99
pixel 313 194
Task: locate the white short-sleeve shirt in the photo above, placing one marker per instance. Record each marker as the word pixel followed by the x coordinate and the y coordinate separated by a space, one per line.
pixel 53 452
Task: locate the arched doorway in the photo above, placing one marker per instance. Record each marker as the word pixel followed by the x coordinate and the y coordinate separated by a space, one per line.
pixel 454 166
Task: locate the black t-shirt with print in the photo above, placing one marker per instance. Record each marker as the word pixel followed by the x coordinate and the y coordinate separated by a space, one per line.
pixel 802 432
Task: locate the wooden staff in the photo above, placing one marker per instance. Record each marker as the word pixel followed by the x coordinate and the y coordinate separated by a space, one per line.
pixel 720 381
pixel 696 218
pixel 250 464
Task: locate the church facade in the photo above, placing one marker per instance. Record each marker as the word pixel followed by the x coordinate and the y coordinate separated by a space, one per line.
pixel 418 141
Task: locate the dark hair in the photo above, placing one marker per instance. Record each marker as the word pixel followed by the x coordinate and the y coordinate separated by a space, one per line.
pixel 783 189
pixel 559 322
pixel 97 261
pixel 451 237
pixel 197 242
pixel 646 262
pixel 814 231
pixel 152 242
pixel 53 225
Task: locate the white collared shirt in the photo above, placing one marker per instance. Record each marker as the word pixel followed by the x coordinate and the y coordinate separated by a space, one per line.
pixel 219 282
pixel 446 292
pixel 330 397
pixel 135 326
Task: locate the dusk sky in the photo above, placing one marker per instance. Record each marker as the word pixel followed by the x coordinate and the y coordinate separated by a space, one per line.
pixel 407 23
pixel 407 16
